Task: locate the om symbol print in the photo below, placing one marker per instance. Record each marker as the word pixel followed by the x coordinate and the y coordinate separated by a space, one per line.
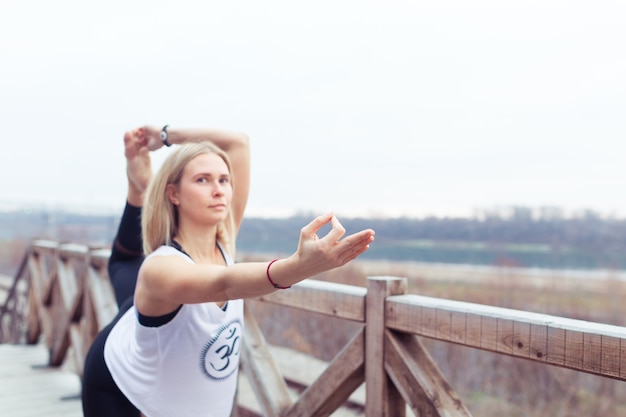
pixel 220 357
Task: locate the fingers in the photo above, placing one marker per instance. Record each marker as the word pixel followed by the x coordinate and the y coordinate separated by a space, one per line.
pixel 332 247
pixel 145 137
pixel 130 148
pixel 316 224
pixel 134 137
pixel 337 230
pixel 354 245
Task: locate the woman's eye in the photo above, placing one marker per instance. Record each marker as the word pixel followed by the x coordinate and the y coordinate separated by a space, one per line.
pixel 224 180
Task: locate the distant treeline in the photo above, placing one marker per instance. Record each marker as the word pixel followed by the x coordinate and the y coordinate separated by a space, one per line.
pixel 588 241
pixel 516 237
pixel 590 232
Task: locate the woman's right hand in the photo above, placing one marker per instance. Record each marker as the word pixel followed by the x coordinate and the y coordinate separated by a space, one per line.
pixel 316 255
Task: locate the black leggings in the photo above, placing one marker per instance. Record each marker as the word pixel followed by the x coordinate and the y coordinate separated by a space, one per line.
pixel 100 395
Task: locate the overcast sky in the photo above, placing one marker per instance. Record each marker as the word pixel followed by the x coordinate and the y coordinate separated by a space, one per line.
pixel 359 107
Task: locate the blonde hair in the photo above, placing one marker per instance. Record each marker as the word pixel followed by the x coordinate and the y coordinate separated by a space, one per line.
pixel 159 217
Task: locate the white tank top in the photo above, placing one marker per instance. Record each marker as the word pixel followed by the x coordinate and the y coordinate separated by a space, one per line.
pixel 186 367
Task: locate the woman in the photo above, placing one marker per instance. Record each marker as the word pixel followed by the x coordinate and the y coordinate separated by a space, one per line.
pixel 176 351
pixel 100 396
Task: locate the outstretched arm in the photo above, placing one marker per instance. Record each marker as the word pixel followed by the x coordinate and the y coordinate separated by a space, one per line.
pixel 165 282
pixel 235 144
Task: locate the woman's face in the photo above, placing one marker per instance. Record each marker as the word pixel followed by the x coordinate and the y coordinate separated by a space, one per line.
pixel 205 192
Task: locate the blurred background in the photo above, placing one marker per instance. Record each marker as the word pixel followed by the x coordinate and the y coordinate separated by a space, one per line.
pixel 483 141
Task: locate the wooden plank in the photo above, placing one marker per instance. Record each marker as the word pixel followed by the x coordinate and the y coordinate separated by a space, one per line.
pixel 30 388
pixel 458 327
pixel 76 251
pixel 489 333
pixel 331 389
pixel 67 292
pixel 538 348
pixel 268 384
pixel 418 378
pixel 327 298
pixel 520 340
pixel 300 371
pixel 383 398
pixel 44 247
pixel 555 346
pixel 102 298
pixel 429 322
pixel 33 326
pixel 409 315
pixel 611 356
pixel 473 329
pixel 11 288
pixel 622 355
pixel 37 282
pixel 592 353
pixel 99 258
pixel 50 280
pixel 504 336
pixel 580 345
pixel 574 349
pixel 443 319
pixel 14 309
pixel 67 283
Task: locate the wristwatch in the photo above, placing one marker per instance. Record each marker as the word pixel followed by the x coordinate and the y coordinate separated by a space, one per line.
pixel 164 136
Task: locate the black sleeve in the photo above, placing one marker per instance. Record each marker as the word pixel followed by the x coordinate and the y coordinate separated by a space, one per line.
pixel 126 255
pixel 128 238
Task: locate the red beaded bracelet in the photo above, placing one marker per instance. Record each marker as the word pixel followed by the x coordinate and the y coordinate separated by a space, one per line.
pixel 269 278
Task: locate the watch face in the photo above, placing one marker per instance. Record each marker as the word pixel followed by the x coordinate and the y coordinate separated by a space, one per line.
pixel 163 135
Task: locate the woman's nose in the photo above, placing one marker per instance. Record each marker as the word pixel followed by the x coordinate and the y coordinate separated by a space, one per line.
pixel 218 189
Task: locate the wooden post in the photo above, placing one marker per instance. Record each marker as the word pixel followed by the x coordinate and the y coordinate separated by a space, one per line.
pixel 269 386
pixel 382 397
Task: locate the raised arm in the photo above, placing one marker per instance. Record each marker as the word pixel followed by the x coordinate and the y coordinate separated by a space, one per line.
pixel 235 144
pixel 138 166
pixel 165 282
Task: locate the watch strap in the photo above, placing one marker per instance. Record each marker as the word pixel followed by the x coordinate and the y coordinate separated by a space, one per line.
pixel 164 136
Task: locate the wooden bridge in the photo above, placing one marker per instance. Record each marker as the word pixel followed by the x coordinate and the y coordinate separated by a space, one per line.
pixel 61 297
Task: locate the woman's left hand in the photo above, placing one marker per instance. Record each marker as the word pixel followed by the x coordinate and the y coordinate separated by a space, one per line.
pixel 152 136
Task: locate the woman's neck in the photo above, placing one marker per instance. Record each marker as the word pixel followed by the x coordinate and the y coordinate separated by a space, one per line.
pixel 201 247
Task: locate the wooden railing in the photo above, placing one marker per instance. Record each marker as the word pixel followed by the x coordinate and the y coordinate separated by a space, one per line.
pixel 69 299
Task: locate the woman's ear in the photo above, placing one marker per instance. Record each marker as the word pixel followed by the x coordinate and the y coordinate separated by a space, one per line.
pixel 172 195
